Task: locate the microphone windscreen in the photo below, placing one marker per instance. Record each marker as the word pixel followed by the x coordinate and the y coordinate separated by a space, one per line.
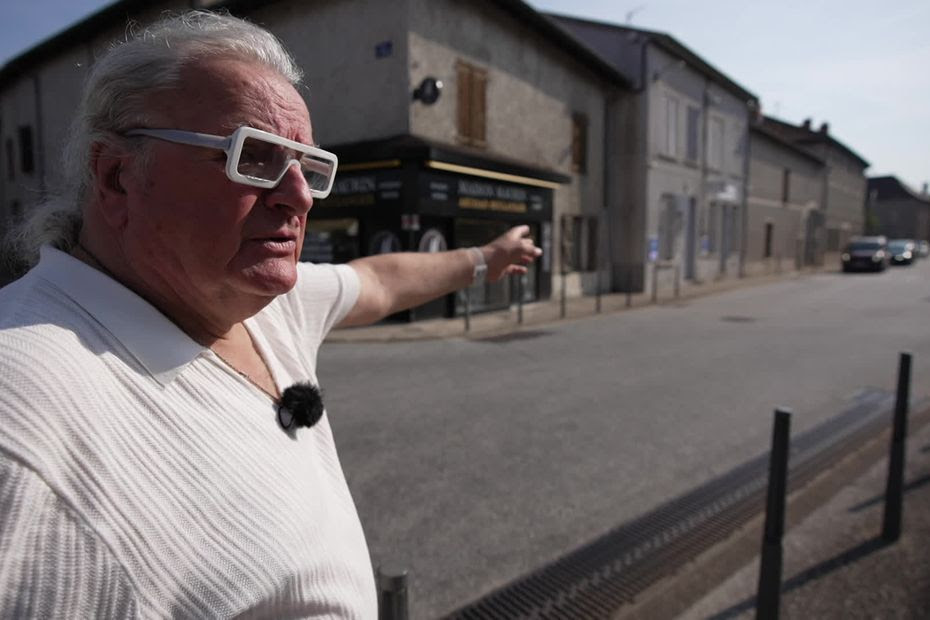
pixel 300 405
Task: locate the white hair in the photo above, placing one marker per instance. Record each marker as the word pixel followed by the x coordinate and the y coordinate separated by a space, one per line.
pixel 115 98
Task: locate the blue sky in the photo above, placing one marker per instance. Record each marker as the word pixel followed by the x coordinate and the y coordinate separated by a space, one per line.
pixel 862 66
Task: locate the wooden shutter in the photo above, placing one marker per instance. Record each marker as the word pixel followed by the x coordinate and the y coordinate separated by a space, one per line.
pixel 463 85
pixel 479 107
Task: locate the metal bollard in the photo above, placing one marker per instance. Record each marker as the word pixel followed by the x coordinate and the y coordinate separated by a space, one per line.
pixel 562 309
pixel 655 282
pixel 392 594
pixel 466 295
pixel 677 280
pixel 769 594
pixel 629 286
pixel 894 489
pixel 520 299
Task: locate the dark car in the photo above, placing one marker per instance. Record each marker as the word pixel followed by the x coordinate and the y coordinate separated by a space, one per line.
pixel 902 251
pixel 865 254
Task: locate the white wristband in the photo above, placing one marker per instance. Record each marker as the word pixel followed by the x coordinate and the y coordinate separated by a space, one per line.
pixel 481 267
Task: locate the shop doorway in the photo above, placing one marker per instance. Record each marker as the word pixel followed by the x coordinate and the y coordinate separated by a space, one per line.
pixel 493 295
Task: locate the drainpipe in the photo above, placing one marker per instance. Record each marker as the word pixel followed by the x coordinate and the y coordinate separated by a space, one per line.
pixel 609 97
pixel 702 187
pixel 744 223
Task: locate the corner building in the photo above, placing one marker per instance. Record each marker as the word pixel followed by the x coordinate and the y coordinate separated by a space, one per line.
pixel 516 134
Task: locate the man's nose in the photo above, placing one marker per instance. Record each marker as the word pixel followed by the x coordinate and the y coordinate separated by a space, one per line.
pixel 292 192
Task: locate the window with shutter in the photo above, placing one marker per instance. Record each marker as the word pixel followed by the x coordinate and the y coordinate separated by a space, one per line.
pixel 472 104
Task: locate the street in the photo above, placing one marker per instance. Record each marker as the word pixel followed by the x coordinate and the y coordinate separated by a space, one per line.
pixel 473 462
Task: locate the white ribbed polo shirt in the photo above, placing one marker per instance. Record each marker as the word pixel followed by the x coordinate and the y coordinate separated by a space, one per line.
pixel 140 476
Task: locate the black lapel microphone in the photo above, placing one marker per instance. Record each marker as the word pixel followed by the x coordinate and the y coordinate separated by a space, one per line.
pixel 300 405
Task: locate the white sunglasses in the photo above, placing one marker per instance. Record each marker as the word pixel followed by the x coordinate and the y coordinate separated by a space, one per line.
pixel 258 158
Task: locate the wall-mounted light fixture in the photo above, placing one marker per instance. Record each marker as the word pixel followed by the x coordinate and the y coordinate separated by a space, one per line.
pixel 428 91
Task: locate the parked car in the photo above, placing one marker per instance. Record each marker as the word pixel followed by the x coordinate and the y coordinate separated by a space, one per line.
pixel 923 248
pixel 902 251
pixel 865 254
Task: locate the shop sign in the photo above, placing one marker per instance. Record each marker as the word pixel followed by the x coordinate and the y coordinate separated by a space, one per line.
pixel 363 190
pixel 723 191
pixel 447 193
pixel 485 196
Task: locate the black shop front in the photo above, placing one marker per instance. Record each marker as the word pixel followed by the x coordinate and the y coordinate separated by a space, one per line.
pixel 407 194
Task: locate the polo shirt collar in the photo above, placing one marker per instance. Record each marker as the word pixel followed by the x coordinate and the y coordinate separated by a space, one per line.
pixel 162 348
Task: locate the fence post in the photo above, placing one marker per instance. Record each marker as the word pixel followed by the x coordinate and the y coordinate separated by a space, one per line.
pixel 629 286
pixel 466 295
pixel 392 594
pixel 769 594
pixel 894 490
pixel 655 282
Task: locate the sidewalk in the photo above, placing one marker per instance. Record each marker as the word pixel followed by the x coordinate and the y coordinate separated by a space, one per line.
pixel 490 324
pixel 835 563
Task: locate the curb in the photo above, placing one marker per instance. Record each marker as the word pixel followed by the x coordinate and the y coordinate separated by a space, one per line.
pixel 502 322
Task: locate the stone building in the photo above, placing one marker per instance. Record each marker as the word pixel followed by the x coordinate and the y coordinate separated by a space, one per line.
pixel 684 160
pixel 785 218
pixel 897 211
pixel 517 133
pixel 844 181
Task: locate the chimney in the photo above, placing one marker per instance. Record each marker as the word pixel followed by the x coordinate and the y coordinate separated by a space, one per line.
pixel 824 128
pixel 807 124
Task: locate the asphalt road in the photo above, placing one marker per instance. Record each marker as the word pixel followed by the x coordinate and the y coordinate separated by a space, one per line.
pixel 474 462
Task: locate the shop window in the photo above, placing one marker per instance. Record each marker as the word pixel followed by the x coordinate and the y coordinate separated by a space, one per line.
pixel 10 160
pixel 472 104
pixel 331 241
pixel 579 143
pixel 433 241
pixel 579 243
pixel 384 242
pixel 693 133
pixel 26 156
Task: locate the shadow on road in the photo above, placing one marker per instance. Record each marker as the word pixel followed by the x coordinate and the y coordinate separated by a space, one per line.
pixel 813 573
pixel 910 486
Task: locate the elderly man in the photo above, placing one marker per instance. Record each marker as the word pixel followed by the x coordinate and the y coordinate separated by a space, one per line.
pixel 147 467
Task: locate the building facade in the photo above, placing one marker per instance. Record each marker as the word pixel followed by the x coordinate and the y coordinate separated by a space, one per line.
pixel 784 210
pixel 681 183
pixel 897 211
pixel 844 181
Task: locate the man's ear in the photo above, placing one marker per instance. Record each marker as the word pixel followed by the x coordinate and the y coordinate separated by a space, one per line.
pixel 108 164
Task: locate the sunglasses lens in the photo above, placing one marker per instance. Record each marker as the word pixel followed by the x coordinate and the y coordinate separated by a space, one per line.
pixel 262 160
pixel 317 172
pixel 266 161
